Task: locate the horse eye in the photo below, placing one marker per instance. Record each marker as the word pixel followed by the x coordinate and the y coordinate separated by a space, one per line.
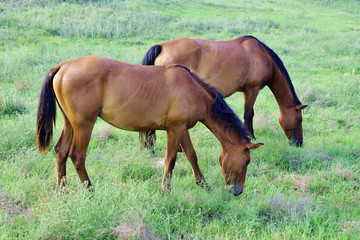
pixel 247 163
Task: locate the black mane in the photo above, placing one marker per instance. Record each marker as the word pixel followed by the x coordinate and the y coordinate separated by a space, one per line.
pixel 220 110
pixel 281 66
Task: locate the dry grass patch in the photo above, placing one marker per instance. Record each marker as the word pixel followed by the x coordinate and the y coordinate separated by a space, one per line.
pixel 280 205
pixel 342 172
pixel 278 209
pixel 301 183
pixel 323 156
pixel 104 132
pixel 22 85
pixel 8 206
pixel 133 228
pixel 351 227
pixel 159 162
pixel 262 120
pixel 11 206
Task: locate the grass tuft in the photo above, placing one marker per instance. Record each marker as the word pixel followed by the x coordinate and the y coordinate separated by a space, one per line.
pixel 11 107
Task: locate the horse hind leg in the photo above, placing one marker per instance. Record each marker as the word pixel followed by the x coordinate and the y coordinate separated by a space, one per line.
pixel 148 139
pixel 62 149
pixel 78 150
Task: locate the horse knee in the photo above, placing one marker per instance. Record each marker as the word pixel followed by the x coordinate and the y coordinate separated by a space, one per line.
pixel 61 156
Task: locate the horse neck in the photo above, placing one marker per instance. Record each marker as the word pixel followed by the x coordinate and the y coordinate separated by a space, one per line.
pixel 281 89
pixel 226 137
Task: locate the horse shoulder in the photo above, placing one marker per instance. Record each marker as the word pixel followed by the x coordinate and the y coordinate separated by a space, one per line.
pixel 256 62
pixel 189 101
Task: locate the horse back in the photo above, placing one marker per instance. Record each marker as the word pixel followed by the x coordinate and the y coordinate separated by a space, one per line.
pixel 230 66
pixel 130 97
pixel 141 98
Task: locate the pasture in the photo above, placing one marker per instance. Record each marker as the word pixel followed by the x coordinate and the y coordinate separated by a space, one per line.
pixel 311 192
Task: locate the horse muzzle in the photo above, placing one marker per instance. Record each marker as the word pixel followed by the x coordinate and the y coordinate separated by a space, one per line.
pixel 298 142
pixel 234 189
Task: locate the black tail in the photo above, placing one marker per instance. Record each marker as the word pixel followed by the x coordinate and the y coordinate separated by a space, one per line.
pixel 282 68
pixel 46 114
pixel 151 55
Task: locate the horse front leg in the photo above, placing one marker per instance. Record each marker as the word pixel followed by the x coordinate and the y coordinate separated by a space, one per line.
pixel 250 97
pixel 190 155
pixel 173 140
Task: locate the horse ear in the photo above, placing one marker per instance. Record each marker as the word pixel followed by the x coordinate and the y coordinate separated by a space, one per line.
pixel 300 107
pixel 254 145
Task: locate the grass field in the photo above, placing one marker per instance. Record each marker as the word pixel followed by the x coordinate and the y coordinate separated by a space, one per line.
pixel 290 193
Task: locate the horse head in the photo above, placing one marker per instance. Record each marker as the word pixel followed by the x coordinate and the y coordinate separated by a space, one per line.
pixel 234 166
pixel 291 122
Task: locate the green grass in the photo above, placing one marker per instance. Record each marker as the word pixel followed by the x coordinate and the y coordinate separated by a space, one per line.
pixel 290 193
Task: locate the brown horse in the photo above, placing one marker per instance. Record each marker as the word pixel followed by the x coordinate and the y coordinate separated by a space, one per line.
pixel 138 98
pixel 243 64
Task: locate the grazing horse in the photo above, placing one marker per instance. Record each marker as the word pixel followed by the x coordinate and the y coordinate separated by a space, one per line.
pixel 243 64
pixel 138 98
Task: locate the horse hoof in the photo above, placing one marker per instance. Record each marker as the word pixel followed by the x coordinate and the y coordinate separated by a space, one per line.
pixel 203 184
pixel 166 188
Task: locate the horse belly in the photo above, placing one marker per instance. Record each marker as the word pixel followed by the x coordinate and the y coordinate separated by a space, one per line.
pixel 133 118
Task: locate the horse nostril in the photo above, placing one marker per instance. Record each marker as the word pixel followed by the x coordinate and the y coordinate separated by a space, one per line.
pixel 236 190
pixel 237 193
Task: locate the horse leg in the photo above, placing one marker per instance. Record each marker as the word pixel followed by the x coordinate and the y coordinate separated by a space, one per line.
pixel 173 140
pixel 250 97
pixel 62 149
pixel 190 155
pixel 142 139
pixel 148 139
pixel 82 135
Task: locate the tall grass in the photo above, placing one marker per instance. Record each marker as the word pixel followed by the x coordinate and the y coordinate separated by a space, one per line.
pixel 290 193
